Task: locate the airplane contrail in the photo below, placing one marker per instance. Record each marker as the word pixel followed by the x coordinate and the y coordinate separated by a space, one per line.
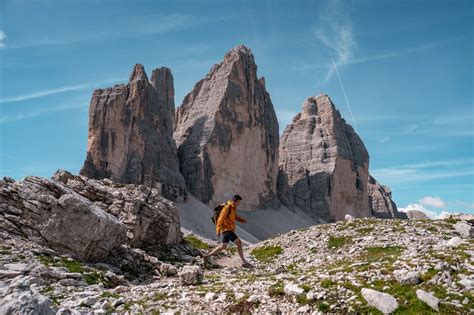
pixel 344 92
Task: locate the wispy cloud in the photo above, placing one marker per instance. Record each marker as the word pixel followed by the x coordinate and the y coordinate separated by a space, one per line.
pixel 53 91
pixel 42 93
pixel 152 24
pixel 42 111
pixel 347 51
pixel 425 171
pixel 335 32
pixel 436 202
pixel 3 36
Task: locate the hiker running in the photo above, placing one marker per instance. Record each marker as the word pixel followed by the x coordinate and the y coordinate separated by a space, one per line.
pixel 226 225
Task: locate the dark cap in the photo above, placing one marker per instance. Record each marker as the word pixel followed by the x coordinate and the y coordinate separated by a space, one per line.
pixel 236 197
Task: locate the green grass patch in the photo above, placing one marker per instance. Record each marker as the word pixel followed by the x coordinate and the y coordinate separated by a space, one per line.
pixel 323 307
pixel 196 242
pixel 337 242
pixel 276 289
pixel 159 296
pixel 107 294
pixel 306 287
pixel 266 253
pixel 326 283
pixel 379 252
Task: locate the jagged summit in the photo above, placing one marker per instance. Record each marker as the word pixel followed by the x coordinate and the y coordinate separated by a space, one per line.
pixel 323 163
pixel 130 134
pixel 219 126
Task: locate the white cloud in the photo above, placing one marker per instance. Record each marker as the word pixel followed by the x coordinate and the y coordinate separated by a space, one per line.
pixel 418 207
pixel 424 171
pixel 53 91
pixel 28 96
pixel 3 36
pixel 335 32
pixel 432 201
pixel 384 140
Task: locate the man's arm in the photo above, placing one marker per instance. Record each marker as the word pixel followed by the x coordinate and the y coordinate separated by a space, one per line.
pixel 240 219
pixel 221 218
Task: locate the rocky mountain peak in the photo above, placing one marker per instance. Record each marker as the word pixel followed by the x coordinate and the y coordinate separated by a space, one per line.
pixel 138 73
pixel 220 123
pixel 323 163
pixel 130 134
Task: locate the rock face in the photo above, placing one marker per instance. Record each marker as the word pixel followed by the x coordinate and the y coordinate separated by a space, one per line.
pixel 416 215
pixel 227 134
pixel 130 134
pixel 19 298
pixel 50 213
pixel 323 164
pixel 380 201
pixel 85 218
pixel 149 218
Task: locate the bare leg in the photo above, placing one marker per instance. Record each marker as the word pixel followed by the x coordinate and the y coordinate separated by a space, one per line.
pixel 238 242
pixel 216 250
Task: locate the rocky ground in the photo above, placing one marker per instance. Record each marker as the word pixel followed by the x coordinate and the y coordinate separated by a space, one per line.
pixel 357 266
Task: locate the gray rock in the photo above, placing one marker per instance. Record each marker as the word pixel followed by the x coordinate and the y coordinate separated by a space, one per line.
pixel 59 217
pixel 428 298
pixel 168 270
pixel 149 218
pixel 191 275
pixel 293 289
pixel 407 277
pixel 464 229
pixel 380 201
pixel 227 135
pixel 323 164
pixel 131 134
pixel 384 302
pixel 454 242
pixel 18 298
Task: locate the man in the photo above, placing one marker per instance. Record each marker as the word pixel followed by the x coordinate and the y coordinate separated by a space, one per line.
pixel 226 226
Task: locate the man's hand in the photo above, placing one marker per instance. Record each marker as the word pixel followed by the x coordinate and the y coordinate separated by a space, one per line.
pixel 218 235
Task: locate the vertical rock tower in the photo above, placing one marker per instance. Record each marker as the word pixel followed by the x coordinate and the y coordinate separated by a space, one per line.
pixel 130 134
pixel 227 134
pixel 323 164
pixel 380 201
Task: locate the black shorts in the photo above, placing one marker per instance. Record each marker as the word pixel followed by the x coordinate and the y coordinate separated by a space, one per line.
pixel 228 236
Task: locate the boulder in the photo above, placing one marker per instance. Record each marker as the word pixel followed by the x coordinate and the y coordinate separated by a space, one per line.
pixel 227 135
pixel 131 134
pixel 464 229
pixel 191 275
pixel 293 289
pixel 323 164
pixel 384 302
pixel 149 218
pixel 428 298
pixel 50 213
pixel 19 298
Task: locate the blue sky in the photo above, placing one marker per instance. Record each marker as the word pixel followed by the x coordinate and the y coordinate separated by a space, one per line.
pixel 406 68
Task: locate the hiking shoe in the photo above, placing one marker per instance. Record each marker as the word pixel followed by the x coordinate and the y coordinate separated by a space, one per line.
pixel 247 265
pixel 205 259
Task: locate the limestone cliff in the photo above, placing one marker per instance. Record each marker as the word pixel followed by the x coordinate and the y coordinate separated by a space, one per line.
pixel 227 134
pixel 130 134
